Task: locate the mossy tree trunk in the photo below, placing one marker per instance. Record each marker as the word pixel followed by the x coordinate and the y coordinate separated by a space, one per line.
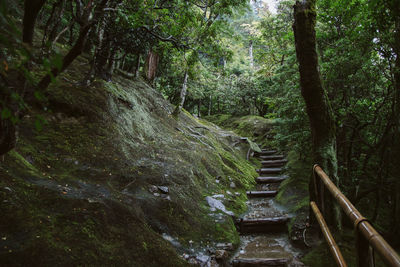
pixel 317 103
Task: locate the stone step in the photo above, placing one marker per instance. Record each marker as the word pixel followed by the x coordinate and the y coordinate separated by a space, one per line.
pixel 273 163
pixel 266 149
pixel 263 225
pixel 259 262
pixel 272 157
pixel 265 152
pixel 261 193
pixel 270 179
pixel 269 170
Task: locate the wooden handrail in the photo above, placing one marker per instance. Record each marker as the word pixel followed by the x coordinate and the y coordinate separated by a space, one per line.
pixel 328 236
pixel 366 235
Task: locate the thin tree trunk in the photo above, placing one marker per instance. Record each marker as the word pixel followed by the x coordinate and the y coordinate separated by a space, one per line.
pixel 53 32
pixel 8 136
pixel 183 94
pixel 77 49
pixel 137 71
pixel 121 63
pixel 48 23
pixel 396 48
pixel 396 209
pixel 31 11
pixel 71 30
pixel 209 106
pixel 317 103
pixel 111 64
pixel 101 51
pixel 198 108
pixel 251 54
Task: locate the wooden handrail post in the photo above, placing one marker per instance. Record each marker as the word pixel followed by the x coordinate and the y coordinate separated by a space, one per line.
pixel 366 235
pixel 365 254
pixel 319 191
pixel 337 255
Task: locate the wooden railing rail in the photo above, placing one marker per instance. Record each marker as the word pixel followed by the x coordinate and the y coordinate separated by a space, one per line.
pixel 366 236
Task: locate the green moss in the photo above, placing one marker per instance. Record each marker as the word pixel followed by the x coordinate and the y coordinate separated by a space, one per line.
pixel 227 232
pixel 21 162
pixel 255 127
pixel 294 190
pixel 80 188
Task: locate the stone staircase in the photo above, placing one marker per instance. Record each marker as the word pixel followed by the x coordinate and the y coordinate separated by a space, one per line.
pixel 263 229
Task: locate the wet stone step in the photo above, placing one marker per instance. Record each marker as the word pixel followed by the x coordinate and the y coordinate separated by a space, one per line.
pixel 261 193
pixel 262 213
pixel 267 246
pixel 263 225
pixel 266 152
pixel 269 170
pixel 273 163
pixel 263 208
pixel 270 179
pixel 259 262
pixel 272 157
pixel 267 187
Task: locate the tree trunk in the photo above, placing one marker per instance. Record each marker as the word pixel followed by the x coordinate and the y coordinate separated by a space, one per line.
pixel 31 11
pixel 60 13
pixel 71 30
pixel 137 71
pixel 75 51
pixel 121 63
pixel 183 94
pixel 52 25
pixel 79 45
pixel 210 106
pixel 151 66
pixel 111 64
pixel 396 209
pixel 198 108
pixel 7 135
pixel 251 54
pixel 48 23
pixel 317 104
pixel 396 74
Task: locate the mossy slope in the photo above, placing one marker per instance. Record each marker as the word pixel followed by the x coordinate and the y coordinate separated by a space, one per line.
pixel 77 192
pixel 259 129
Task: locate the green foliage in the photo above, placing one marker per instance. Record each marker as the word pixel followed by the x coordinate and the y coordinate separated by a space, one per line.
pixel 358 47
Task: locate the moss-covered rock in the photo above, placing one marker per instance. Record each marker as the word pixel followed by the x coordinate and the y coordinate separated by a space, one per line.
pixel 83 191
